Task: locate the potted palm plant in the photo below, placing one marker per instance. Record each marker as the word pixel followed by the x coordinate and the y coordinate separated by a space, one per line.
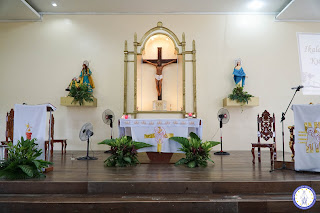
pixel 22 161
pixel 196 151
pixel 123 151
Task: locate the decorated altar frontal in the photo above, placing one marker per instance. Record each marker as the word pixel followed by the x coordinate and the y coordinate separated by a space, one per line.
pixel 158 131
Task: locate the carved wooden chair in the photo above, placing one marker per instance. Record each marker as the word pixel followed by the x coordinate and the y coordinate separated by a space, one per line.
pixel 291 141
pixel 266 131
pixel 62 141
pixel 9 129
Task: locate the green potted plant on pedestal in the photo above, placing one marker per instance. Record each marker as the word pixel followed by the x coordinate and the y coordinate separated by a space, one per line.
pixel 80 94
pixel 239 95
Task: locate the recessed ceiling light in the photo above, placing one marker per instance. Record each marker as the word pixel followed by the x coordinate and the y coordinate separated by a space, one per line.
pixel 255 5
pixel 54 4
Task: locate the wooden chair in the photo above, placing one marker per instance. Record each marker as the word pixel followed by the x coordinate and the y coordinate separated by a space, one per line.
pixel 266 130
pixel 62 141
pixel 291 141
pixel 9 129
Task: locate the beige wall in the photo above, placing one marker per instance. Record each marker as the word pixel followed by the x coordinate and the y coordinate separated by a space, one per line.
pixel 39 59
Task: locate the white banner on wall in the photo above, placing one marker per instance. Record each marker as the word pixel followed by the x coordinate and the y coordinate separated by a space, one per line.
pixel 309 53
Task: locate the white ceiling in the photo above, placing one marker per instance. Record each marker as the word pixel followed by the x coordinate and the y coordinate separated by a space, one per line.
pixel 284 10
pixel 154 6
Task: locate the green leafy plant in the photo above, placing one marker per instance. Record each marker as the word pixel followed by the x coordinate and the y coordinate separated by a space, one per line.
pixel 80 94
pixel 239 95
pixel 22 162
pixel 197 152
pixel 123 151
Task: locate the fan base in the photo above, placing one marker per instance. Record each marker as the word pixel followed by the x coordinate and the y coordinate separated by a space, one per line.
pixel 222 153
pixel 87 158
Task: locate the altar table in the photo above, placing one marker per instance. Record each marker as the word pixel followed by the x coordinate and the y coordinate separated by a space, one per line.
pixel 158 131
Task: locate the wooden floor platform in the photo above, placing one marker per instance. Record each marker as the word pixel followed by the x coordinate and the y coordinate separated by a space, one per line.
pixel 232 184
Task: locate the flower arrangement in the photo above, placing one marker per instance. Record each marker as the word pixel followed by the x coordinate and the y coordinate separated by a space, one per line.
pixel 239 95
pixel 80 93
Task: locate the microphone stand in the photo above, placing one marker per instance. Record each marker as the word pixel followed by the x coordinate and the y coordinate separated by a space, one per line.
pixel 283 117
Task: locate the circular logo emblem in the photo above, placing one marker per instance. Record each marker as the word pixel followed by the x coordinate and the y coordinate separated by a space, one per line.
pixel 304 197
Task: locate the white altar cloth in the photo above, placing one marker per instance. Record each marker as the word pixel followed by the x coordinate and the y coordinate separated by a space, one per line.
pixel 158 131
pixel 307 137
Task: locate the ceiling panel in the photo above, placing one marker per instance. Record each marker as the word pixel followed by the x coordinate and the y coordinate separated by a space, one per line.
pixel 304 10
pixel 17 10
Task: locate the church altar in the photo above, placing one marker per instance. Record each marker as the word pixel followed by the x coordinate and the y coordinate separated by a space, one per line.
pixel 158 131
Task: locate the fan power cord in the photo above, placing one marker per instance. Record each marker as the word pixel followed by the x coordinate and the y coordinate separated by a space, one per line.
pixel 215 134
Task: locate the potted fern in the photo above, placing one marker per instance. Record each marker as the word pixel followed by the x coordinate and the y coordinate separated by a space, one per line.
pixel 80 94
pixel 123 151
pixel 196 151
pixel 22 161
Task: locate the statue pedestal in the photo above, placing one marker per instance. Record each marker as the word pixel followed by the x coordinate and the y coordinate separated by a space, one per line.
pixel 227 102
pixel 66 101
pixel 159 105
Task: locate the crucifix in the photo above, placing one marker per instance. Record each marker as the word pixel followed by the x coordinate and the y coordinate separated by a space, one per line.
pixel 159 64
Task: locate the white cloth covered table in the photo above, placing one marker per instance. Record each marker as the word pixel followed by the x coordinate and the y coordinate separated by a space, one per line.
pixel 158 131
pixel 307 137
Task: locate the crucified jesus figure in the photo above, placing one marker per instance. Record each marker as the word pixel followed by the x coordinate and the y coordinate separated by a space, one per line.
pixel 159 64
pixel 158 76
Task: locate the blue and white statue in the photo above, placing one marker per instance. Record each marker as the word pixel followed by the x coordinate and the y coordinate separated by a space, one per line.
pixel 86 76
pixel 238 73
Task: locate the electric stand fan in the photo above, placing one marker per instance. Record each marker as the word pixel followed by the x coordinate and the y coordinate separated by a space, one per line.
pixel 85 133
pixel 223 118
pixel 108 118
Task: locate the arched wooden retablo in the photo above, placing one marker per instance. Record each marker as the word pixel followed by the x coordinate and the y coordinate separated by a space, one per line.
pixel 139 47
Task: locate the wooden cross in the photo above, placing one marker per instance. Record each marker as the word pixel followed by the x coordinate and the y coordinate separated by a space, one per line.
pixel 159 64
pixel 160 58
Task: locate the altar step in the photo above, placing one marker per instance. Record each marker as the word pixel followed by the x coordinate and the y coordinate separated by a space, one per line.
pixel 174 187
pixel 51 203
pixel 175 196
